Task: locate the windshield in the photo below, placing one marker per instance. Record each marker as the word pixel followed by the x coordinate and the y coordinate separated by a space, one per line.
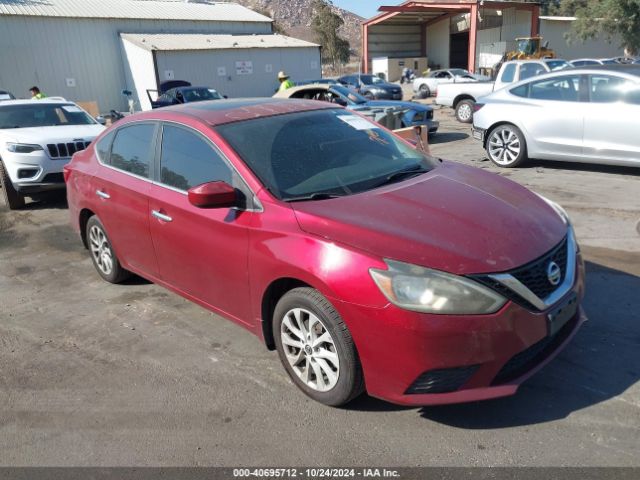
pixel 371 79
pixel 349 94
pixel 325 152
pixel 37 114
pixel 200 94
pixel 459 72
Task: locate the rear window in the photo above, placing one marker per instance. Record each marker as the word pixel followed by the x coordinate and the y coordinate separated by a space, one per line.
pixel 509 73
pixel 528 70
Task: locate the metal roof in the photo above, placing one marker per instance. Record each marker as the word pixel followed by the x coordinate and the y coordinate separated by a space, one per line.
pixel 132 9
pixel 198 41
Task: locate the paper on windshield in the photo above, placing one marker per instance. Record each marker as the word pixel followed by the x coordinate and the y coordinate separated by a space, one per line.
pixel 72 109
pixel 4 96
pixel 357 122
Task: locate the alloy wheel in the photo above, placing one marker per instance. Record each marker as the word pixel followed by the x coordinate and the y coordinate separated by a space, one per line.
pixel 504 146
pixel 310 349
pixel 465 112
pixel 101 250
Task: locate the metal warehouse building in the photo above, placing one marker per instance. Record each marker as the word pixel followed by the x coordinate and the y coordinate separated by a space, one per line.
pixel 470 34
pixel 91 50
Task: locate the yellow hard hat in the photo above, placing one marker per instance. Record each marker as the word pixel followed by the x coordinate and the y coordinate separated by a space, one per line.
pixel 282 75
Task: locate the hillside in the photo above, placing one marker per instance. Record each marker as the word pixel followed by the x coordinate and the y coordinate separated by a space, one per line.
pixel 295 17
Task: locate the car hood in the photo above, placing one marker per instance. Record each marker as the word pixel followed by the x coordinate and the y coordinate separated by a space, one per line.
pixel 455 218
pixel 44 135
pixel 384 86
pixel 395 103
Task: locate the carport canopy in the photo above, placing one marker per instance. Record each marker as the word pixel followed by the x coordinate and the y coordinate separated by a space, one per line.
pixel 427 13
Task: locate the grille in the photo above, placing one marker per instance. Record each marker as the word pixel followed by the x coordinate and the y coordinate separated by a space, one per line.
pixel 524 361
pixel 533 275
pixel 63 150
pixel 442 381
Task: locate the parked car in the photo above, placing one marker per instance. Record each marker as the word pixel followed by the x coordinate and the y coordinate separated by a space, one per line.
pixel 366 264
pixel 462 96
pixel 37 138
pixel 372 87
pixel 5 95
pixel 177 92
pixel 556 64
pixel 590 114
pixel 427 86
pixel 416 114
pixel 585 62
pixel 327 81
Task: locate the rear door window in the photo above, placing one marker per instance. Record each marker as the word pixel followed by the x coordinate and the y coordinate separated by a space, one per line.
pixel 133 149
pixel 609 89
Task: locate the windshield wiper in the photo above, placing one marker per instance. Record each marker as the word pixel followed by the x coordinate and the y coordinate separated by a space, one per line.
pixel 407 173
pixel 314 196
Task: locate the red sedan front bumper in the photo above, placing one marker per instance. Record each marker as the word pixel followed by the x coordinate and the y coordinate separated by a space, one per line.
pixel 462 358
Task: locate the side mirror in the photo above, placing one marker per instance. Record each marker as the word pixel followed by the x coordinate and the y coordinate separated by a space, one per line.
pixel 101 120
pixel 213 195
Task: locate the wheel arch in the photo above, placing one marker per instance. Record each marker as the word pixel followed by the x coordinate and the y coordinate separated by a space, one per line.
pixel 83 218
pixel 461 97
pixel 270 298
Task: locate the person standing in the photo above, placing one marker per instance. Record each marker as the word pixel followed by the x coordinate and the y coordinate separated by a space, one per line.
pixel 36 94
pixel 285 82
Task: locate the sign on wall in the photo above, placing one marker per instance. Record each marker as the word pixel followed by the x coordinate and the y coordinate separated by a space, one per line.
pixel 222 71
pixel 244 68
pixel 169 75
pixel 71 82
pixel 314 65
pixel 268 68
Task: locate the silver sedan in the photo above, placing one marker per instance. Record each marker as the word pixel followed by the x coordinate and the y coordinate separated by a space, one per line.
pixel 590 114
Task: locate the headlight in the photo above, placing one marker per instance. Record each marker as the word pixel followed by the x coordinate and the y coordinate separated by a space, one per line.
pixel 430 291
pixel 562 213
pixel 377 90
pixel 22 147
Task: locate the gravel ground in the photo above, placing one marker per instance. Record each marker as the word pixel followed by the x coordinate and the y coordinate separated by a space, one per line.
pixel 105 375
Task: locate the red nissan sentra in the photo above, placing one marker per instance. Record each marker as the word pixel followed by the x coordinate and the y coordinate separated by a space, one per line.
pixel 366 264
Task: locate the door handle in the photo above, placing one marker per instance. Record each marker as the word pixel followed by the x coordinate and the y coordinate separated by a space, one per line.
pixel 161 216
pixel 103 195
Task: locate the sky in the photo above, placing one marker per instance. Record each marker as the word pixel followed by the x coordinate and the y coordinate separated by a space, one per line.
pixel 364 8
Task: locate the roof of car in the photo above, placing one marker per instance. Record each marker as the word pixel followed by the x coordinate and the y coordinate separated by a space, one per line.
pixel 220 112
pixel 35 102
pixel 629 69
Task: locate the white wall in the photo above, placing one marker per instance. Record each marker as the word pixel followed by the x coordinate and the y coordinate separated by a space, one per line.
pixel 554 30
pixel 438 43
pixel 45 51
pixel 200 67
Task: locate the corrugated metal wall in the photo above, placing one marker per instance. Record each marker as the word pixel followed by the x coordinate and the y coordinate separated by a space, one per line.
pixel 201 67
pixel 398 41
pixel 554 31
pixel 48 51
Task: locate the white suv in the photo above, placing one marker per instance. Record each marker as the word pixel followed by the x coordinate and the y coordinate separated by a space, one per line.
pixel 37 138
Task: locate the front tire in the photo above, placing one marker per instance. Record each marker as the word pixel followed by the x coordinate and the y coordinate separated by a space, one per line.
pixel 316 348
pixel 102 254
pixel 11 196
pixel 506 146
pixel 425 91
pixel 464 111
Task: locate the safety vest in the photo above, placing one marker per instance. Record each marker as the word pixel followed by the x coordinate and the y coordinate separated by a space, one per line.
pixel 285 85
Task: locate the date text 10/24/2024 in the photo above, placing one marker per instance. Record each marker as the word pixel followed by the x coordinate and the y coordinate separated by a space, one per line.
pixel 315 473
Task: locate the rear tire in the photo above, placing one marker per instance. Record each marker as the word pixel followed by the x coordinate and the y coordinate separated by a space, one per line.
pixel 12 198
pixel 464 111
pixel 506 146
pixel 102 255
pixel 316 348
pixel 425 91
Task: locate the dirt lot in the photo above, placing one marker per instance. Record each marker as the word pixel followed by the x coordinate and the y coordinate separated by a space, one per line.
pixel 98 374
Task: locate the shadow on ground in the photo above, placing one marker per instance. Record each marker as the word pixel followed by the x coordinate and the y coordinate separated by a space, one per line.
pixel 601 363
pixel 446 137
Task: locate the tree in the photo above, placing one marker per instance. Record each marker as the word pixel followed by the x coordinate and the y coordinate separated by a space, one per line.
pixel 325 24
pixel 595 18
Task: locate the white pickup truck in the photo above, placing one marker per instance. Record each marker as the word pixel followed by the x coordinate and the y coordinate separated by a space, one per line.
pixel 462 96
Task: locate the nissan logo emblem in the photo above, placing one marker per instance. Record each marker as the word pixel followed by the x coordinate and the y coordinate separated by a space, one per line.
pixel 554 273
